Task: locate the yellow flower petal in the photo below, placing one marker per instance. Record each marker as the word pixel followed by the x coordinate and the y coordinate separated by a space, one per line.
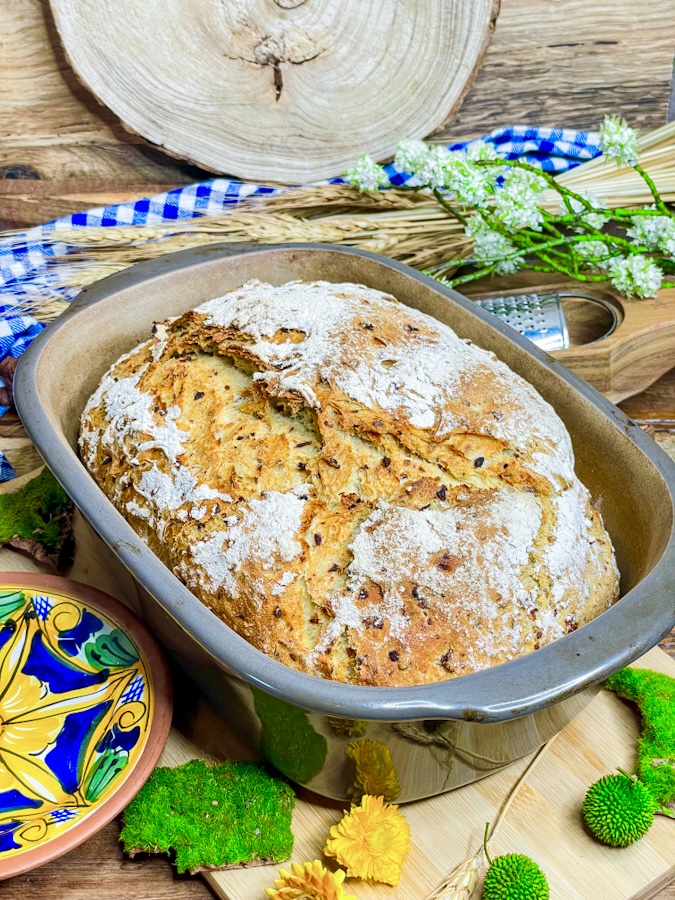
pixel 34 777
pixel 375 770
pixel 30 738
pixel 309 881
pixel 371 842
pixel 7 780
pixel 22 694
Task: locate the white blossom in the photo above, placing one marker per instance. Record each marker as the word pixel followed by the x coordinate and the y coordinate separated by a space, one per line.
pixel 434 169
pixel 480 151
pixel 619 141
pixel 517 201
pixel 367 175
pixel 595 219
pixel 654 233
pixel 492 247
pixel 508 266
pixel 636 275
pixel 411 155
pixel 596 252
pixel 471 184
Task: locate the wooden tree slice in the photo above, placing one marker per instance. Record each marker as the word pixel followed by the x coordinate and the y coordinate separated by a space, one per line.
pixel 283 90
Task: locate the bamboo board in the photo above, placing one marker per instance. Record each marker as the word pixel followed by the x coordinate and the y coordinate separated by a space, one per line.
pixel 544 822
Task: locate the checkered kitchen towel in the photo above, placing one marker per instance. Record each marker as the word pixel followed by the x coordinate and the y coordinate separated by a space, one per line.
pixel 16 333
pixel 26 260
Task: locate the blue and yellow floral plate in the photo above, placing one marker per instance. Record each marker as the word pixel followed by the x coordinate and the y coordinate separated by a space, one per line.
pixel 85 710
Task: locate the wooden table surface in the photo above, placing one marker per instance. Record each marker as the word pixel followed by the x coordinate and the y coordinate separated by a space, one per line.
pixel 551 62
pixel 554 62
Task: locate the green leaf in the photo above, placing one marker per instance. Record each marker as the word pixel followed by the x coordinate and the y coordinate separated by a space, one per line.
pixel 10 602
pixel 108 767
pixel 111 650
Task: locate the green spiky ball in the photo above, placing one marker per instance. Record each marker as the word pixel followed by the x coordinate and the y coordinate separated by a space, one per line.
pixel 618 810
pixel 515 877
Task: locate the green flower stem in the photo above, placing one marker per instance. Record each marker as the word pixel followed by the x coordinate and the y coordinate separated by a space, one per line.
pixel 480 273
pixel 451 209
pixel 565 271
pixel 485 843
pixel 472 276
pixel 564 192
pixel 571 269
pixel 660 205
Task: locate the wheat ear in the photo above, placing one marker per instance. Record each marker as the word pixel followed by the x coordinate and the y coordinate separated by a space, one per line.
pixel 461 882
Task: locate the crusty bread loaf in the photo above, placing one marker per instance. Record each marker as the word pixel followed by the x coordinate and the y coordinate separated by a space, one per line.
pixel 353 488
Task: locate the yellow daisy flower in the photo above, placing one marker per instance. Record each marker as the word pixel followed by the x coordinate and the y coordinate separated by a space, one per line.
pixel 375 770
pixel 309 881
pixel 371 842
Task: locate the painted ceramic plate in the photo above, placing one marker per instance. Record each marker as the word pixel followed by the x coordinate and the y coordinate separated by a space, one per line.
pixel 85 710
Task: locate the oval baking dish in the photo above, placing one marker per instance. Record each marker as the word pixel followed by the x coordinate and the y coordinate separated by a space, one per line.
pixel 436 736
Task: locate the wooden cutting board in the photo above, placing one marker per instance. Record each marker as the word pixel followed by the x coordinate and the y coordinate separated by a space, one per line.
pixel 544 822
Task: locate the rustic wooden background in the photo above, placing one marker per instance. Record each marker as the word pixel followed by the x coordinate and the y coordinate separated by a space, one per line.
pixel 555 62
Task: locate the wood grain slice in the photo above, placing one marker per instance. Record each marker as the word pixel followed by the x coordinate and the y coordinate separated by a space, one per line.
pixel 283 90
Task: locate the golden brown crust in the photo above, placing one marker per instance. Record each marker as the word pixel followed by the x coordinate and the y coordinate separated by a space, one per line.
pixel 352 488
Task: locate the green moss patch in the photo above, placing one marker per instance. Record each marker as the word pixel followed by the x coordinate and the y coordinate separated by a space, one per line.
pixel 212 817
pixel 38 519
pixel 654 694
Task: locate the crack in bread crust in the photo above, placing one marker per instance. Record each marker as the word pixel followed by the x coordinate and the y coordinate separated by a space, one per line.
pixel 354 489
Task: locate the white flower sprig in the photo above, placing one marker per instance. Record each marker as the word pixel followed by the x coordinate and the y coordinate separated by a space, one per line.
pixel 619 141
pixel 636 276
pixel 367 175
pixel 501 205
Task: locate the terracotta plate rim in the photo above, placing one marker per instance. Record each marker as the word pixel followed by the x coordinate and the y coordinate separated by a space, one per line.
pixel 158 732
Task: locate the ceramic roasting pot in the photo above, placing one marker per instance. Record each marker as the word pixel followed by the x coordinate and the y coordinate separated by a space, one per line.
pixel 431 738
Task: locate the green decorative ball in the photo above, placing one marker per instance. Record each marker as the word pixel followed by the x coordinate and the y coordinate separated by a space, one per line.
pixel 619 810
pixel 515 877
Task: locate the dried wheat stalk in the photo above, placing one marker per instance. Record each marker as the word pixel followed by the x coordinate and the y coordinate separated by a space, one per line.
pixel 406 225
pixel 461 882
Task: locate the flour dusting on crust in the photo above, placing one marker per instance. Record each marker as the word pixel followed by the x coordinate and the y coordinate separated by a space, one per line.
pixel 351 486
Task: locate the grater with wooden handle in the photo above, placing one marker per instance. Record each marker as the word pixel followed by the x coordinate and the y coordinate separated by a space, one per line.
pixel 619 346
pixel 540 317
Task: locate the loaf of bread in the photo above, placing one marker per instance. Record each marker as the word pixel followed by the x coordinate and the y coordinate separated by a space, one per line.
pixel 349 485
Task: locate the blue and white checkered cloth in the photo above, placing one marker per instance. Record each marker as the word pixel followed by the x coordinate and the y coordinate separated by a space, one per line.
pixel 16 333
pixel 6 470
pixel 27 259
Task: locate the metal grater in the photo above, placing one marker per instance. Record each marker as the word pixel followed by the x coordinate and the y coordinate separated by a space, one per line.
pixel 539 317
